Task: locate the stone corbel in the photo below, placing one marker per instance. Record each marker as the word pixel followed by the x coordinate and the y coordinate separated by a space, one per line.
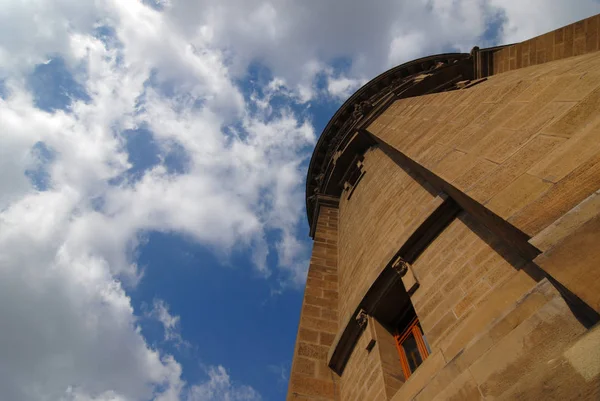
pixel 365 322
pixel 353 175
pixel 404 269
pixel 362 319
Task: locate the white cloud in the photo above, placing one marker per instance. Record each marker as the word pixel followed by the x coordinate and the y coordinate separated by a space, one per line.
pixel 66 254
pixel 525 20
pixel 291 36
pixel 170 323
pixel 67 323
pixel 342 87
pixel 219 387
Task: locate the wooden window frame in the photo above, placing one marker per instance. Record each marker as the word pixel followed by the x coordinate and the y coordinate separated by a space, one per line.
pixel 414 329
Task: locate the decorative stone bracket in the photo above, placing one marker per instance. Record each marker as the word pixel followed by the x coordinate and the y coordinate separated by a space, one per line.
pixel 404 269
pixel 353 175
pixel 391 290
pixel 365 322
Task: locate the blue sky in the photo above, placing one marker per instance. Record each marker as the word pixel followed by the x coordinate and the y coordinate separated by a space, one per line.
pixel 153 237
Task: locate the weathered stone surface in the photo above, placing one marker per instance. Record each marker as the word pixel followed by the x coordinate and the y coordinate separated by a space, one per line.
pixel 572 40
pixel 520 152
pixel 520 135
pixel 421 377
pixel 462 388
pixel 568 223
pixel 513 167
pixel 511 359
pixel 584 356
pixel 383 212
pixel 310 378
pixel 574 262
pixel 517 195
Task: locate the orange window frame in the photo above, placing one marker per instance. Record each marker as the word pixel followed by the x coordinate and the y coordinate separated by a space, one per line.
pixel 414 329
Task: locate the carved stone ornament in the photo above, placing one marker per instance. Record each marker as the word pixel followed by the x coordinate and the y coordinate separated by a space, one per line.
pixel 354 110
pixel 362 319
pixel 362 108
pixel 401 266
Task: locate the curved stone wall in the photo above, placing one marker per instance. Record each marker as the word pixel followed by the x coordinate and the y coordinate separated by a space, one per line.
pixel 402 80
pixel 524 144
pixel 475 202
pixel 384 210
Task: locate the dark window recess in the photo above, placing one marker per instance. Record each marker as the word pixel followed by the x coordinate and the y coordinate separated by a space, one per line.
pixel 353 175
pixel 411 343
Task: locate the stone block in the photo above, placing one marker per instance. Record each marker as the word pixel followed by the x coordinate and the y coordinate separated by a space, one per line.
pixel 421 377
pixel 504 323
pixel 517 164
pixel 475 293
pixel 571 154
pixel 309 386
pixel 304 366
pixel 327 326
pixel 498 274
pixel 580 87
pixel 318 301
pixel 313 351
pixel 462 388
pixel 577 117
pixel 434 333
pixel 584 355
pixel 307 335
pixel 568 223
pixel 326 338
pixel 480 168
pixel 488 309
pixel 518 194
pixel 547 333
pixel 563 196
pixel 438 383
pixel 324 372
pixel 310 310
pixel 592 34
pixel 574 262
pixel 409 281
pixel 435 315
pixel 329 314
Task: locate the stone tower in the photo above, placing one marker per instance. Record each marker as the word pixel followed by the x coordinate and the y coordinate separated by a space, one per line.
pixel 454 205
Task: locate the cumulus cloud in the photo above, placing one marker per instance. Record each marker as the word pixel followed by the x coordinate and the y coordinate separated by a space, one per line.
pixel 342 87
pixel 71 214
pixel 67 322
pixel 524 20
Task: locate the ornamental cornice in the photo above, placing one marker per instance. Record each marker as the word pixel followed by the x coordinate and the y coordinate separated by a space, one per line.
pixel 414 78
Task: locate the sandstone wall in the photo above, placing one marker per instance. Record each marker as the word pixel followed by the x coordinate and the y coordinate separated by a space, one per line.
pixel 363 378
pixel 525 144
pixel 385 208
pixel 310 377
pixel 523 147
pixel 572 40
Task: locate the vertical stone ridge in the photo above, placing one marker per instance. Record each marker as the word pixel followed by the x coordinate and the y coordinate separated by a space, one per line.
pixel 310 377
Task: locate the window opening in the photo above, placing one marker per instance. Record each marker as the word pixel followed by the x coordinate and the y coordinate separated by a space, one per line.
pixel 412 346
